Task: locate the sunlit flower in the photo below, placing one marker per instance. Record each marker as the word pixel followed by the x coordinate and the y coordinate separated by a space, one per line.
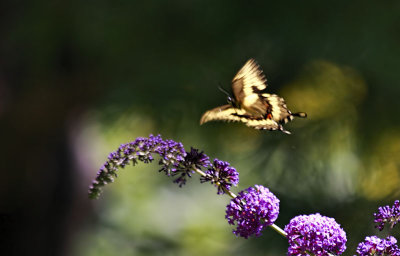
pixel 315 234
pixel 252 210
pixel 387 214
pixel 376 246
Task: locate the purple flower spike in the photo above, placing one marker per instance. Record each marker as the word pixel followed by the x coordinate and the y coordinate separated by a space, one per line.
pixel 387 214
pixel 222 175
pixel 142 149
pixel 376 246
pixel 252 210
pixel 315 234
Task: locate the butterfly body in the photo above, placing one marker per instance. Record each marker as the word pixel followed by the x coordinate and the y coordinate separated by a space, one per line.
pixel 250 105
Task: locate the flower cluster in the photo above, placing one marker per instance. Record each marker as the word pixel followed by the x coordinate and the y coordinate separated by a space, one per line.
pixel 376 246
pixel 174 162
pixel 172 159
pixel 252 210
pixel 315 234
pixel 387 214
pixel 222 175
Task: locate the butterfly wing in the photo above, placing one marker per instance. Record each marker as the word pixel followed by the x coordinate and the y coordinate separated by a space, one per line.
pixel 223 113
pixel 278 109
pixel 231 114
pixel 247 86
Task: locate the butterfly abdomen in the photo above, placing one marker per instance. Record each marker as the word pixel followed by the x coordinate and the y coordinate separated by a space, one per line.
pixel 300 114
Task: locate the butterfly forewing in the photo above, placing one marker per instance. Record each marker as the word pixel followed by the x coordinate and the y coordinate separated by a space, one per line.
pixel 247 86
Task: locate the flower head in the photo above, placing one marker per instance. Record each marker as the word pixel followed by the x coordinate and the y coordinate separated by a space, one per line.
pixel 222 175
pixel 252 210
pixel 387 214
pixel 315 234
pixel 376 246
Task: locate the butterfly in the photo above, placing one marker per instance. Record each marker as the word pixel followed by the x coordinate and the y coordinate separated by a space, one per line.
pixel 251 105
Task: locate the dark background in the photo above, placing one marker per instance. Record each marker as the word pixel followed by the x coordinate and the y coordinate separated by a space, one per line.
pixel 78 78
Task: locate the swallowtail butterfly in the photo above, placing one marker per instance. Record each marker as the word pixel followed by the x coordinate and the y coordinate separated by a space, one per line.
pixel 251 105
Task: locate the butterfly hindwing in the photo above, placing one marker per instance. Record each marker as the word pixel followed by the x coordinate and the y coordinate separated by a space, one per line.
pixel 279 111
pixel 231 114
pixel 278 108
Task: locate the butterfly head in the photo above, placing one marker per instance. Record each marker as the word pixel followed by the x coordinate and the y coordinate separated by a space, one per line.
pixel 231 100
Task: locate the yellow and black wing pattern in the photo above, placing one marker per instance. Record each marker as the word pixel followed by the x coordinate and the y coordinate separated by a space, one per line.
pixel 253 106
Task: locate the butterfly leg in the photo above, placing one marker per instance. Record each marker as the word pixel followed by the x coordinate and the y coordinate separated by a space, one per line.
pixel 280 128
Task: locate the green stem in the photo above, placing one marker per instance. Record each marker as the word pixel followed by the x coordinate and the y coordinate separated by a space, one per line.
pixel 279 230
pixel 199 171
pixel 231 194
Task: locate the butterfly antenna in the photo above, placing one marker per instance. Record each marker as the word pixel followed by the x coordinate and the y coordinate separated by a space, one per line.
pixel 231 100
pixel 223 90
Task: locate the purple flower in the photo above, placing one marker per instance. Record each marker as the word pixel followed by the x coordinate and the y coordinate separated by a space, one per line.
pixel 142 149
pixel 252 210
pixel 387 214
pixel 315 234
pixel 376 246
pixel 196 158
pixel 172 154
pixel 222 175
pixel 193 159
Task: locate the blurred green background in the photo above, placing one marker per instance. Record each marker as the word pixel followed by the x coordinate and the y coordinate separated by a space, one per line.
pixel 78 78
